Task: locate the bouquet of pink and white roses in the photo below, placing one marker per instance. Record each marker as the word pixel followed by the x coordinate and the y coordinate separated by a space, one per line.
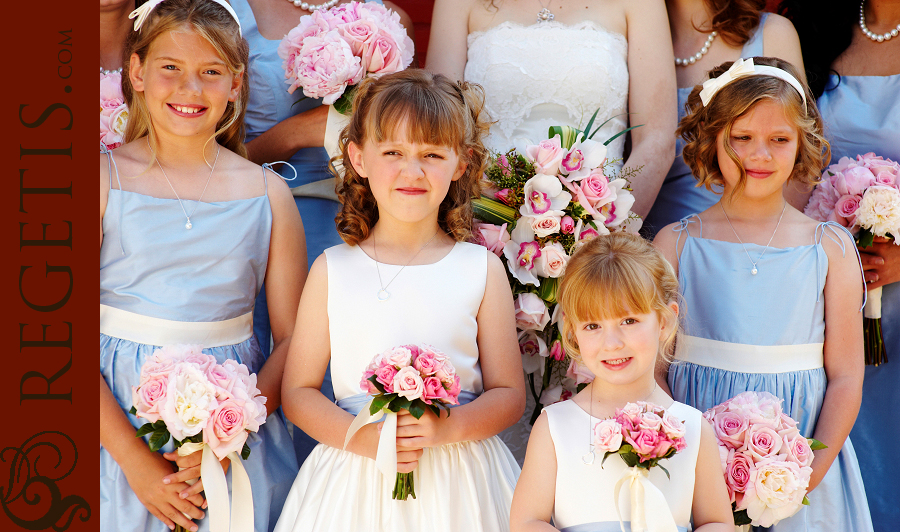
pixel 203 406
pixel 113 111
pixel 336 48
pixel 541 201
pixel 765 459
pixel 863 195
pixel 642 434
pixel 408 377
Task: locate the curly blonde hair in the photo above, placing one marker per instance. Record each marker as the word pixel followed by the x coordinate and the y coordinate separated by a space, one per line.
pixel 701 126
pixel 612 276
pixel 435 110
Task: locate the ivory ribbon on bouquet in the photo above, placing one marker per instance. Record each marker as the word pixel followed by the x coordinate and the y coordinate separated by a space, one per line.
pixel 216 490
pixel 386 457
pixel 644 495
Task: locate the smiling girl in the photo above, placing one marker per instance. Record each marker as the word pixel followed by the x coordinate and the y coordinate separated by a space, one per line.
pixel 773 297
pixel 186 224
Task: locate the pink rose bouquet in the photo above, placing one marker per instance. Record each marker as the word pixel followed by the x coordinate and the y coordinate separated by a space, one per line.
pixel 412 378
pixel 765 459
pixel 113 111
pixel 541 201
pixel 331 50
pixel 863 196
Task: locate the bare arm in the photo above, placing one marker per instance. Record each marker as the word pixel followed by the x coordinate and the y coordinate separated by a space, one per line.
pixel 532 504
pixel 447 47
pixel 711 509
pixel 652 99
pixel 843 354
pixel 665 242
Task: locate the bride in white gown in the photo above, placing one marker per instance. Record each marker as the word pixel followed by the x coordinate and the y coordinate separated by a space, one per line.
pixel 614 56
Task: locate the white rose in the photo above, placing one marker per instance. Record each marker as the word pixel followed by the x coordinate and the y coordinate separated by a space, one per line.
pixel 553 260
pixel 545 224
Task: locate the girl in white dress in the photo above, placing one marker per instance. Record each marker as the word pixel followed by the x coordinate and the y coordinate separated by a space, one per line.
pixel 413 155
pixel 619 300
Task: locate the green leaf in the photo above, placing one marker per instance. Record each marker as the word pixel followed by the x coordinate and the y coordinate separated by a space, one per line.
pixel 416 409
pixel 379 402
pixel 806 500
pixel 160 437
pixel 741 518
pixel 493 211
pixel 630 459
pixel 146 428
pixel 815 444
pixel 608 120
pixel 666 471
pixel 620 133
pixel 374 380
pixel 606 455
pixel 865 238
pixel 344 104
pixel 587 128
pixel 133 411
pixel 399 403
pixel 548 290
pixel 245 452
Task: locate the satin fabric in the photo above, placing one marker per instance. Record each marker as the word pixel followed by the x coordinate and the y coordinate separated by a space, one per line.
pixel 862 115
pixel 679 195
pixel 780 306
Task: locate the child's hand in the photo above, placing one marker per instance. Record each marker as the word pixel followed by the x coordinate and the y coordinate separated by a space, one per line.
pixel 427 431
pixel 407 457
pixel 190 469
pixel 145 476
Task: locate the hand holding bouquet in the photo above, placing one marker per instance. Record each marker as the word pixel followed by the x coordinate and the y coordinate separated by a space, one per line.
pixel 412 378
pixel 863 196
pixel 765 459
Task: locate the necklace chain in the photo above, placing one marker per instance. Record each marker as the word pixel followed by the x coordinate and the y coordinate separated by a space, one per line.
pixel 383 294
pixel 754 271
pixel 588 457
pixel 877 37
pixel 696 57
pixel 188 225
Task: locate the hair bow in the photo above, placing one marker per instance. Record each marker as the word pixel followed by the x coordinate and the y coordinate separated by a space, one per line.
pixel 140 14
pixel 742 68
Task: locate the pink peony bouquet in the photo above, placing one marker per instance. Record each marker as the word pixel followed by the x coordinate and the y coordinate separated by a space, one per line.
pixel 184 393
pixel 863 196
pixel 542 201
pixel 642 434
pixel 334 49
pixel 765 459
pixel 113 111
pixel 413 378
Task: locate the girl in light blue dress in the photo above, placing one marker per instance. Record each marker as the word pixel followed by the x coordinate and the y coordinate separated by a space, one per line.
pixel 189 233
pixel 756 274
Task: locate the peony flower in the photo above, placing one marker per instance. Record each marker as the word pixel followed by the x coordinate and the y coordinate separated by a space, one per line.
pixel 323 67
pixel 607 436
pixel 531 312
pixel 408 383
pixel 226 431
pixel 552 260
pixel 774 491
pixel 543 194
pixel 854 181
pixel 189 400
pixel 546 156
pixel 533 349
pixel 879 211
pixel 491 236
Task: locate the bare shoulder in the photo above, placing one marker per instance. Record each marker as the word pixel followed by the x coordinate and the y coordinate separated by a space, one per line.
pixel 778 26
pixel 668 243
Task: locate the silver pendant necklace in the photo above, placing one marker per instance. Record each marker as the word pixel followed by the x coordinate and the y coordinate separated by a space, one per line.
pixel 188 225
pixel 383 294
pixel 544 15
pixel 588 457
pixel 754 271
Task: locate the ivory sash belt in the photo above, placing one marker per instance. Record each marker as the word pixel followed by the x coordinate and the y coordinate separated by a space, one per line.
pixel 157 331
pixel 746 358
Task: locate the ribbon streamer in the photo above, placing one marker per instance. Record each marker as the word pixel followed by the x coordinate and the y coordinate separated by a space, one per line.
pixel 216 489
pixel 644 495
pixel 386 457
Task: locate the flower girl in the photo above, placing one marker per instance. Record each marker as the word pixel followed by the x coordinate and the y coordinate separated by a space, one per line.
pixel 774 297
pixel 413 156
pixel 620 315
pixel 186 225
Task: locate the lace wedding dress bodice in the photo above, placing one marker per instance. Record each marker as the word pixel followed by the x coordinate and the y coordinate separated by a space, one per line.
pixel 549 74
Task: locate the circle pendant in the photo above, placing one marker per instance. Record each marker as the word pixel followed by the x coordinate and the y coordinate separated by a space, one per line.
pixel 188 225
pixel 588 458
pixel 754 271
pixel 383 295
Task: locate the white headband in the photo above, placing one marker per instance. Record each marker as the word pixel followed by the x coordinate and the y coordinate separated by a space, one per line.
pixel 742 68
pixel 140 14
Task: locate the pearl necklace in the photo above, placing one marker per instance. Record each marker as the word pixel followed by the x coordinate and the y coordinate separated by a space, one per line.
pixel 868 33
pixel 696 57
pixel 754 271
pixel 312 8
pixel 108 72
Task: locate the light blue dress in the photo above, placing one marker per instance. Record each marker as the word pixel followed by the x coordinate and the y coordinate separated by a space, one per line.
pixel 862 115
pixel 679 195
pixel 764 333
pixel 156 277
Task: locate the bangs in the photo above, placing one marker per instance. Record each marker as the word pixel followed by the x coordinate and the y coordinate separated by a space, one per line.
pixel 608 289
pixel 426 117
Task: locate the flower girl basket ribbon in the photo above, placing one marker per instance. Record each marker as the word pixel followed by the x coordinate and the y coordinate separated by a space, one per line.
pixel 217 490
pixel 644 495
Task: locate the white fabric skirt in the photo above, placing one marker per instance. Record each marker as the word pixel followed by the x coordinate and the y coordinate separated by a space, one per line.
pixel 465 487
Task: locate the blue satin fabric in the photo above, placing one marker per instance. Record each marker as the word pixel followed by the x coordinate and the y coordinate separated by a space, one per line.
pixel 862 115
pixel 679 195
pixel 781 305
pixel 605 526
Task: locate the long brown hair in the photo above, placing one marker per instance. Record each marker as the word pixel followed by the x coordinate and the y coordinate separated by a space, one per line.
pixel 446 113
pixel 212 22
pixel 735 20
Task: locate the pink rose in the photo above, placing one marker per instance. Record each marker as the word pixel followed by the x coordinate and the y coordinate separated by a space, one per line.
pixel 553 260
pixel 730 428
pixel 505 195
pixel 531 312
pixel 453 391
pixel 491 236
pixel 556 351
pixel 366 386
pixel 546 156
pixel 446 372
pixel 579 373
pixel 607 436
pixel 111 90
pixel 148 398
pixel 799 451
pixel 544 224
pixel 886 179
pixel 223 377
pixel 737 473
pixel 846 208
pixel 397 356
pixel 358 34
pixel 427 364
pixel 202 360
pixel 385 375
pixel 597 190
pixel 408 383
pixel 673 427
pixel 225 432
pixel 567 225
pixel 650 421
pixel 644 442
pixel 762 441
pixel 434 389
pixel 382 55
